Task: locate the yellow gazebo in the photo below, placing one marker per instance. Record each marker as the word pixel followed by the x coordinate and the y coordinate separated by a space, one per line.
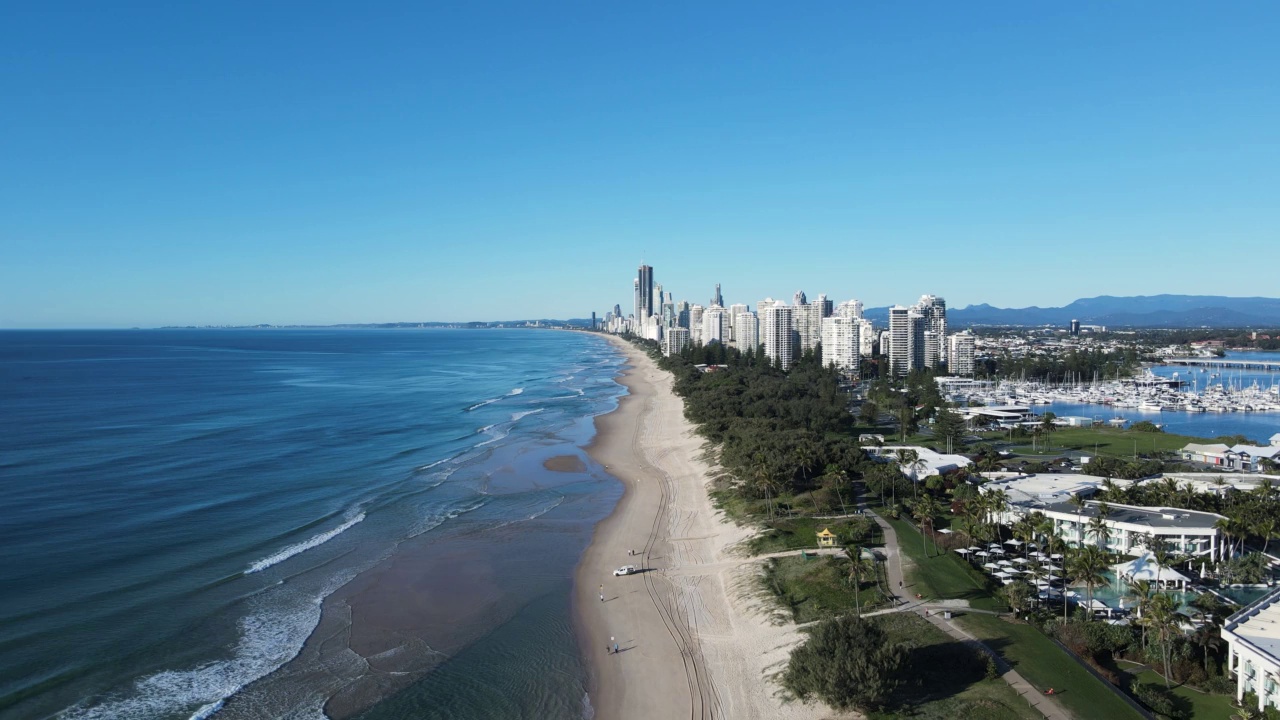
pixel 826 538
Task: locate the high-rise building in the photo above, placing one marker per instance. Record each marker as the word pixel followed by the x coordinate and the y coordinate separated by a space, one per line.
pixel 866 337
pixel 775 333
pixel 1075 327
pixel 682 315
pixel 850 309
pixel 637 305
pixel 906 340
pixel 735 310
pixel 840 343
pixel 933 311
pixel 746 331
pixel 645 285
pixel 932 349
pixel 695 324
pixel 716 299
pixel 960 354
pixel 676 340
pixel 715 325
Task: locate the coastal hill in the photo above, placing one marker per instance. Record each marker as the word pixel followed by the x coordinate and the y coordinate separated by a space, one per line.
pixel 1147 311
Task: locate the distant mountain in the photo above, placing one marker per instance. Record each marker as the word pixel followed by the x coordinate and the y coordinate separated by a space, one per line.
pixel 1144 311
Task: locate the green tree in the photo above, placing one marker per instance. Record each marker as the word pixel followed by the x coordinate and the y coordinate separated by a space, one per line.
pixel 1161 618
pixel 949 427
pixel 847 663
pixel 1087 565
pixel 860 569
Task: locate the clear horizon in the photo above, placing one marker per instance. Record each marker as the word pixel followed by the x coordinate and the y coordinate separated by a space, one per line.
pixel 300 165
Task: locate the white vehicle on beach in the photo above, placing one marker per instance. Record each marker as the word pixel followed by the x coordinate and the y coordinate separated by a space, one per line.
pixel 625 570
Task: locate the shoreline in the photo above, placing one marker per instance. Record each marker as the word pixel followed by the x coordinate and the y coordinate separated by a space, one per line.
pixel 696 637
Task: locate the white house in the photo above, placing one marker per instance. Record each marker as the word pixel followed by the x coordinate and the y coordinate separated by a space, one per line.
pixel 1253 642
pixel 930 462
pixel 1186 532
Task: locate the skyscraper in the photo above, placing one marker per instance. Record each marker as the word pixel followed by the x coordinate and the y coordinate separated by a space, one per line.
pixel 746 331
pixel 717 300
pixel 961 353
pixel 715 325
pixel 840 343
pixel 775 333
pixel 695 324
pixel 933 311
pixel 1075 327
pixel 932 349
pixel 906 340
pixel 866 337
pixel 644 292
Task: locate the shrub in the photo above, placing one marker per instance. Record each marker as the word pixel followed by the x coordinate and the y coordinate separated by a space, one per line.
pixel 846 663
pixel 1157 699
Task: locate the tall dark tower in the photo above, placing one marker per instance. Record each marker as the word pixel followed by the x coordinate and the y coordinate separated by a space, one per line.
pixel 645 303
pixel 717 300
pixel 1075 327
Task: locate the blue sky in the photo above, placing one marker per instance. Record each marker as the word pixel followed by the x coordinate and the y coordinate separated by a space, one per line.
pixel 180 163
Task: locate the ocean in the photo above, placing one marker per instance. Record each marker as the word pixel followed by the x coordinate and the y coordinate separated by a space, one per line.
pixel 282 523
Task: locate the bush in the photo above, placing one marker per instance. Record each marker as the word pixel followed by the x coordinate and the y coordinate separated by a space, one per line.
pixel 1157 699
pixel 846 663
pixel 1145 426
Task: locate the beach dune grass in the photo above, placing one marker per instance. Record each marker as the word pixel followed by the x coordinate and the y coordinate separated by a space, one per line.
pixel 817 587
pixel 799 533
pixel 946 680
pixel 1045 665
pixel 944 576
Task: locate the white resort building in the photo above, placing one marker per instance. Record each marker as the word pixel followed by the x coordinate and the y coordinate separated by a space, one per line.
pixel 1253 654
pixel 1188 532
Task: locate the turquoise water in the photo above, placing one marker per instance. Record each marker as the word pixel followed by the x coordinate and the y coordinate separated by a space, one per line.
pixel 184 508
pixel 1117 589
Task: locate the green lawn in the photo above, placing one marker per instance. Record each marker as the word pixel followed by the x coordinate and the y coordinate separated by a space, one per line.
pixel 1202 706
pixel 817 588
pixel 798 533
pixel 1045 665
pixel 1100 441
pixel 945 679
pixel 945 576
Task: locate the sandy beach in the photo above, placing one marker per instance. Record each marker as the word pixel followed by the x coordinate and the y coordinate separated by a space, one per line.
pixel 695 639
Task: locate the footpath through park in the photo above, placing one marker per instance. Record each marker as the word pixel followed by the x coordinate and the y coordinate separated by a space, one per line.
pixel 903 600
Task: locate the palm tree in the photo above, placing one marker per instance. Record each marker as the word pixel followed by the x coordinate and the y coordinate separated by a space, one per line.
pixel 1162 618
pixel 924 511
pixel 908 459
pixel 1100 531
pixel 859 569
pixel 1265 529
pixel 838 477
pixel 1227 527
pixel 1142 588
pixel 1077 501
pixel 1209 611
pixel 1087 566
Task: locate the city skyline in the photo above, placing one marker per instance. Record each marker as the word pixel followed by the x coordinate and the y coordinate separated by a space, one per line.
pixel 237 165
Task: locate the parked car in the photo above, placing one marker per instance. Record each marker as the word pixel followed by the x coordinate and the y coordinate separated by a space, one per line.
pixel 624 570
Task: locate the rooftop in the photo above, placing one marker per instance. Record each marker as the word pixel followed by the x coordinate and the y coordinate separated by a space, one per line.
pixel 1046 488
pixel 1152 517
pixel 1258 626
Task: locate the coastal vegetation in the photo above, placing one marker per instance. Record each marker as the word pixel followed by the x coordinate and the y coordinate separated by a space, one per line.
pixel 937 677
pixel 784 439
pixel 824 586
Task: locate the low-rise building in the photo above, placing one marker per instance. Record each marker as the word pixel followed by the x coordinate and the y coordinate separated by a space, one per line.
pixel 928 462
pixel 1253 650
pixel 1185 532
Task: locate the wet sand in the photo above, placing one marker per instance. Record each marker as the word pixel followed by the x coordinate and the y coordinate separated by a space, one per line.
pixel 565 463
pixel 696 638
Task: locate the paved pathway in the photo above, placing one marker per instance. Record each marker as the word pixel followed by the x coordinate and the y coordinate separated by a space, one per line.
pixel 1047 705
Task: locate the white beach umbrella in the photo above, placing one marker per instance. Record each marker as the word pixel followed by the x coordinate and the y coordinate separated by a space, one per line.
pixel 990 566
pixel 997 551
pixel 983 553
pixel 1015 542
pixel 964 551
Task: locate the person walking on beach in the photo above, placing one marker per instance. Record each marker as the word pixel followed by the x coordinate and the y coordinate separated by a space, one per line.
pixel 602 593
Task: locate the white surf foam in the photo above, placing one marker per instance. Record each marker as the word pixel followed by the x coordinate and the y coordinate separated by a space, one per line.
pixel 428 466
pixel 515 391
pixel 483 403
pixel 292 550
pixel 267 640
pixel 516 416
